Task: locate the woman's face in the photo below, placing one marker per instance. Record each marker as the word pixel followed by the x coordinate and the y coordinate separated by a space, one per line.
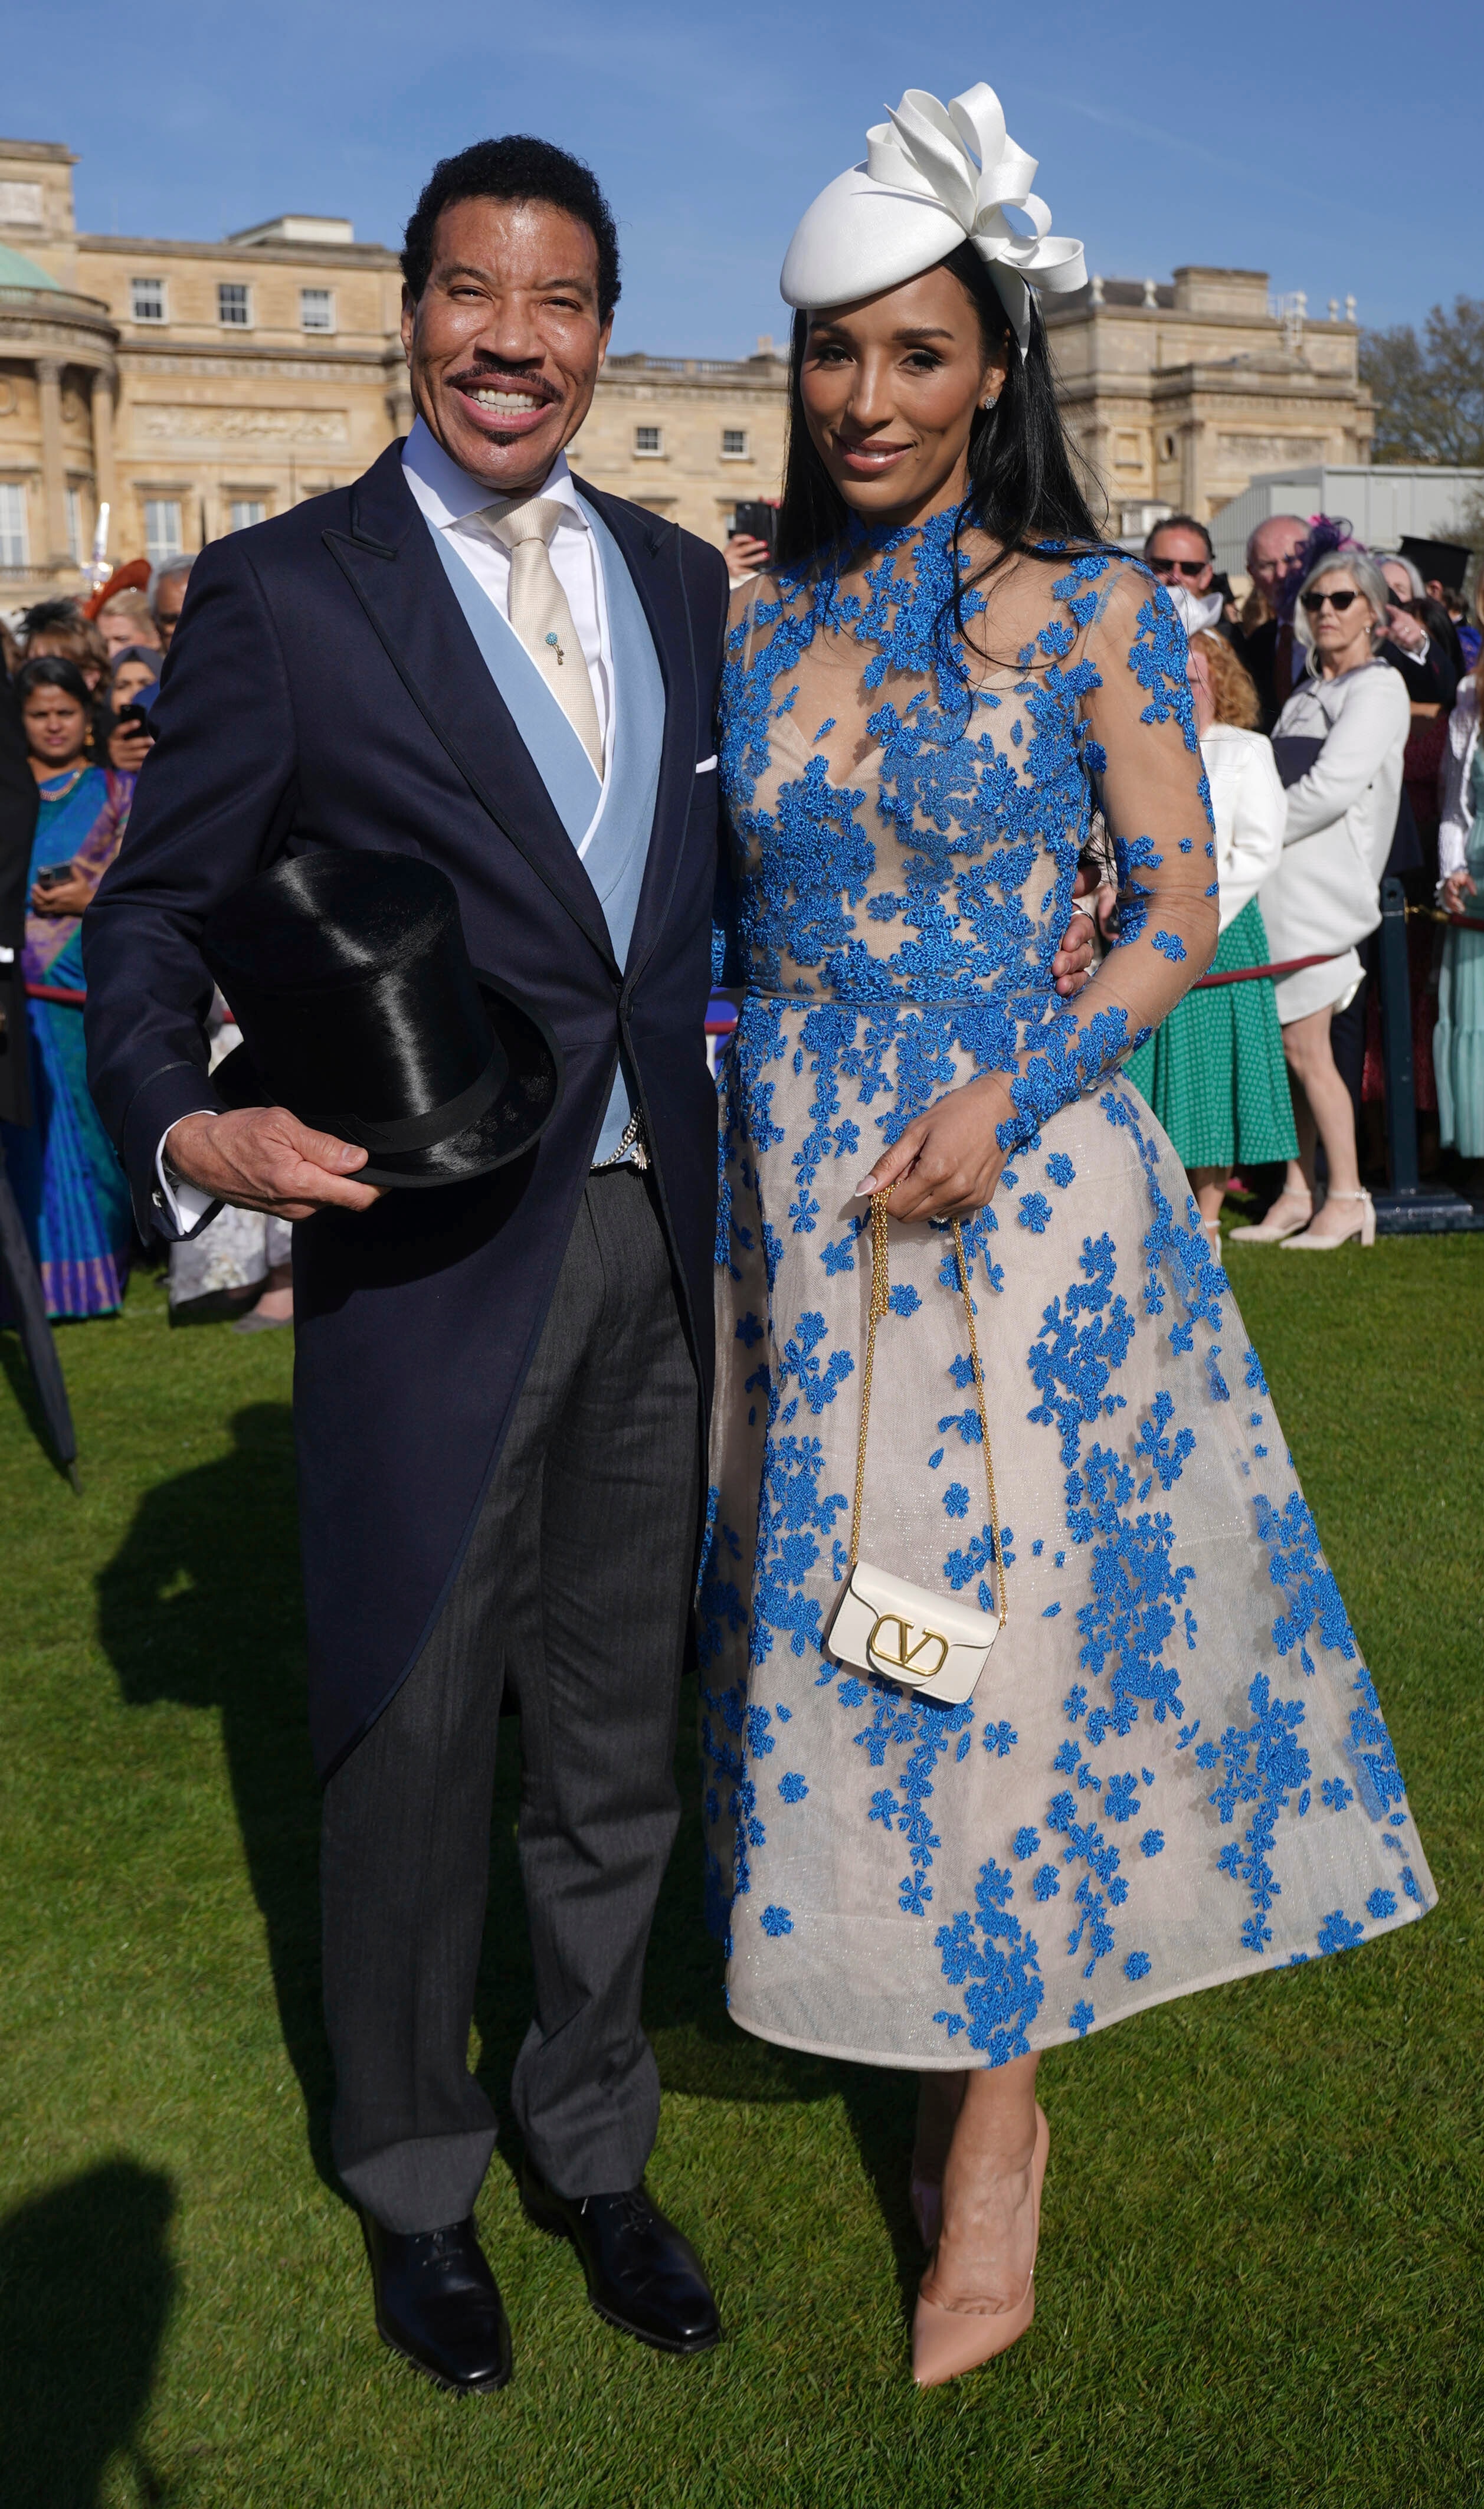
pixel 127 680
pixel 56 727
pixel 890 387
pixel 1341 637
pixel 1398 581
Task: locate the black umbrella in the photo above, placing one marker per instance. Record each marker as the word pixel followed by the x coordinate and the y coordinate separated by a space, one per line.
pixel 17 1271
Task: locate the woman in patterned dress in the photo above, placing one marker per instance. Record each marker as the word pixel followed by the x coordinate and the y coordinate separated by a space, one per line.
pixel 1173 1768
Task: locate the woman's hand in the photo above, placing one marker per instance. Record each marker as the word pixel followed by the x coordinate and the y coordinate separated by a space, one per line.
pixel 947 1163
pixel 1456 889
pixel 70 897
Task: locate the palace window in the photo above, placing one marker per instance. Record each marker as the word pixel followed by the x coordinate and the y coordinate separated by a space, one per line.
pixel 14 540
pixel 147 298
pixel 317 309
pixel 734 445
pixel 233 308
pixel 244 512
pixel 650 440
pixel 161 529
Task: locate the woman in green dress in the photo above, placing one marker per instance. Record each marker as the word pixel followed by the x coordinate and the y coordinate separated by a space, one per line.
pixel 1215 1072
pixel 72 1191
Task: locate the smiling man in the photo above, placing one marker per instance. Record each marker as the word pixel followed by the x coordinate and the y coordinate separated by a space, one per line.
pixel 501 1386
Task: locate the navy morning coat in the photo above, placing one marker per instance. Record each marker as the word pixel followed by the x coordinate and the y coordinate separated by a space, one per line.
pixel 324 689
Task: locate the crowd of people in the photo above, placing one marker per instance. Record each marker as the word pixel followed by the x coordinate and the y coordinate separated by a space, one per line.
pixel 1338 712
pixel 81 679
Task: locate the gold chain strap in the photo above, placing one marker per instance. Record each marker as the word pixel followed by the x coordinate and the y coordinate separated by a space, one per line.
pixel 881 1289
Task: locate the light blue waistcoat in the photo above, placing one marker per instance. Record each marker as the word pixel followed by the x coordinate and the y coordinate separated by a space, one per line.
pixel 619 848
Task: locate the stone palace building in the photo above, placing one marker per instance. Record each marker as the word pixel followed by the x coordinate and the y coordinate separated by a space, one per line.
pixel 197 388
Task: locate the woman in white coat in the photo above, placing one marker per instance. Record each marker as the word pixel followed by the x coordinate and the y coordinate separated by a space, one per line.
pixel 1325 894
pixel 1213 1072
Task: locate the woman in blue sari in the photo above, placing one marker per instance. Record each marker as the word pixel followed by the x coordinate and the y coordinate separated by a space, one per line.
pixel 71 1189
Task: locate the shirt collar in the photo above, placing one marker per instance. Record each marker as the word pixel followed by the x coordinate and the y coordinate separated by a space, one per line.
pixel 448 495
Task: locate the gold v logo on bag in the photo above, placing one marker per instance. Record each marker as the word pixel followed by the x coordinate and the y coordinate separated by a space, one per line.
pixel 929 1643
pixel 903 1657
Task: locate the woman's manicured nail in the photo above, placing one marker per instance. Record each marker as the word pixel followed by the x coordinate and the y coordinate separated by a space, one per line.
pixel 868 1184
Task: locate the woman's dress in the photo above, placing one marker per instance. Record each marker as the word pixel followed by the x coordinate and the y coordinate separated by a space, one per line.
pixel 72 1193
pixel 1175 1768
pixel 1213 1070
pixel 1458 1040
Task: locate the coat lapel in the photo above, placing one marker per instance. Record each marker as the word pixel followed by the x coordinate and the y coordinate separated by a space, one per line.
pixel 651 551
pixel 396 573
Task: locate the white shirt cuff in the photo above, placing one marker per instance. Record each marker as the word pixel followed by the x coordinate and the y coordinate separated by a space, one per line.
pixel 185 1204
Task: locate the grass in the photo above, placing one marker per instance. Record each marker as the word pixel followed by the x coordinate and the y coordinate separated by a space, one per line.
pixel 1259 2274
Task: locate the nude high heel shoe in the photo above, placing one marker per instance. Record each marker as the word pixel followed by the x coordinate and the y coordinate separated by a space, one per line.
pixel 948 2342
pixel 1278 1224
pixel 1363 1226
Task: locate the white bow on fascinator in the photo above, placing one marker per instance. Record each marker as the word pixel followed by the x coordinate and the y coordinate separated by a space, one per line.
pixel 934 176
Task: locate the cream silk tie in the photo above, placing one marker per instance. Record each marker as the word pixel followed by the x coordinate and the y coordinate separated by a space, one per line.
pixel 541 619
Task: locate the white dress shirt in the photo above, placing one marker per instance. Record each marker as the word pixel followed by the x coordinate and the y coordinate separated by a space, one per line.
pixel 450 501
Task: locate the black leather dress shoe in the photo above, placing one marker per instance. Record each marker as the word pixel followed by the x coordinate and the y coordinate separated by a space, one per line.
pixel 643 2273
pixel 437 2304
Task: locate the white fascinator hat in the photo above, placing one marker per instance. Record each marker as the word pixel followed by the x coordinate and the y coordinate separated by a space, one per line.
pixel 935 176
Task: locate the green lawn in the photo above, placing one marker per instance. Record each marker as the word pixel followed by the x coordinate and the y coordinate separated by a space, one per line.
pixel 1259 2278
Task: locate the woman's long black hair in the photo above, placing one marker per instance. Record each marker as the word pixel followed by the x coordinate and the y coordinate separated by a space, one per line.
pixel 1022 481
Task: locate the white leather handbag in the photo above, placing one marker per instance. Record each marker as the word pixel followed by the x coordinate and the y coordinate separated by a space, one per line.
pixel 931 1643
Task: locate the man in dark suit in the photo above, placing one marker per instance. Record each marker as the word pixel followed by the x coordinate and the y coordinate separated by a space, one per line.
pixel 500 1387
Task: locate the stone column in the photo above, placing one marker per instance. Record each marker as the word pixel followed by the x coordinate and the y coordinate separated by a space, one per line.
pixel 1191 431
pixel 104 384
pixel 399 407
pixel 54 469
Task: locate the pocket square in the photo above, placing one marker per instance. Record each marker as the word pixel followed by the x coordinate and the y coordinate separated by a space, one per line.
pixel 703 766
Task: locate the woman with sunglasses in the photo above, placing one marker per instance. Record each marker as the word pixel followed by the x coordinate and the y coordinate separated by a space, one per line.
pixel 1325 895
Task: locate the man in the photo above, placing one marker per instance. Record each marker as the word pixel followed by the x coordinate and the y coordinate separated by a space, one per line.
pixel 1430 664
pixel 500 1388
pixel 1275 561
pixel 167 592
pixel 1179 551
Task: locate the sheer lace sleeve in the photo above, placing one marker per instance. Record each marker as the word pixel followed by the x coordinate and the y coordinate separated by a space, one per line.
pixel 1144 763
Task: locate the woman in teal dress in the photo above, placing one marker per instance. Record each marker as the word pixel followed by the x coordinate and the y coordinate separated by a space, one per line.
pixel 71 1190
pixel 1458 1040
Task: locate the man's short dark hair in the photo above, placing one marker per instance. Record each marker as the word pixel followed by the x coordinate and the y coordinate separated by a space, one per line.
pixel 514 168
pixel 1179 523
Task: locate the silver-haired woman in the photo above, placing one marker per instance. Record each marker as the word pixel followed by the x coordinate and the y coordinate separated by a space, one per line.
pixel 1325 894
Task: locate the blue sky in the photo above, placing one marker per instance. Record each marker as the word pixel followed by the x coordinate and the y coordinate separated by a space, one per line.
pixel 1336 147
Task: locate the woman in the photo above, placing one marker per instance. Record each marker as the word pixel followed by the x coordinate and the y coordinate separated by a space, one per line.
pixel 69 1185
pixel 1352 714
pixel 125 619
pixel 1215 1072
pixel 1143 1794
pixel 1458 1040
pixel 134 674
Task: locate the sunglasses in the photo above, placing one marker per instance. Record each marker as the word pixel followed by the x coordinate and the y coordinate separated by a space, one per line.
pixel 1179 565
pixel 1341 601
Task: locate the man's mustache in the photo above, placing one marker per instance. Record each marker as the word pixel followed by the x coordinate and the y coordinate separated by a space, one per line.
pixel 503 379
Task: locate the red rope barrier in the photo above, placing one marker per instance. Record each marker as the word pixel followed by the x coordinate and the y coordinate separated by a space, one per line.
pixel 66 994
pixel 1280 967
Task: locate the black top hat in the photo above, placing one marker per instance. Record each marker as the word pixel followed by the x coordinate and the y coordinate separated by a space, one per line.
pixel 1437 561
pixel 349 977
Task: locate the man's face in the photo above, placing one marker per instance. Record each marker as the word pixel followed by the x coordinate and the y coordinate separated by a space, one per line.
pixel 169 600
pixel 1178 555
pixel 1276 550
pixel 505 343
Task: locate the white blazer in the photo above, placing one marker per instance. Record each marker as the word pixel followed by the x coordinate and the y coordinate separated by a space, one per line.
pixel 1340 817
pixel 1250 807
pixel 1457 820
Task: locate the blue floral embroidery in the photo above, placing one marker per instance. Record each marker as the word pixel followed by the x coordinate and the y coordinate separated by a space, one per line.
pixel 776 1920
pixel 793 1787
pixel 998 1969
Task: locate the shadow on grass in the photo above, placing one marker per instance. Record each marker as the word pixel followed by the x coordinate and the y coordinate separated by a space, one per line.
pixel 86 2285
pixel 202 1605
